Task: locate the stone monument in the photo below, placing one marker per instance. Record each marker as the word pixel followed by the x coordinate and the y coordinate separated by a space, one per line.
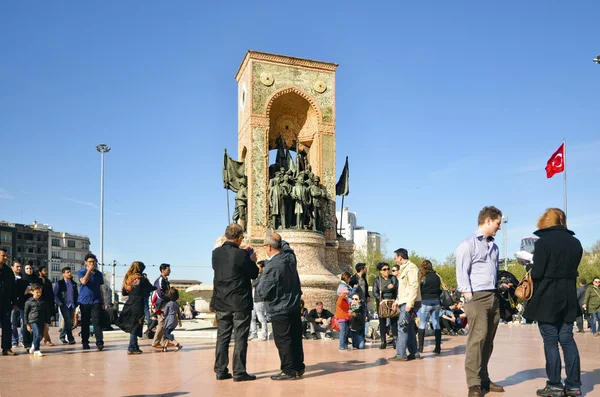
pixel 286 145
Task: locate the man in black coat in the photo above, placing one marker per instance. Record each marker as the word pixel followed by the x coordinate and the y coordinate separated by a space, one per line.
pixel 8 301
pixel 280 287
pixel 234 268
pixel 580 298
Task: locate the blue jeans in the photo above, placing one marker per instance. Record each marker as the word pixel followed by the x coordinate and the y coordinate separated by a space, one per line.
pixel 260 313
pixel 594 319
pixel 67 329
pixel 17 320
pixel 553 334
pixel 358 339
pixel 133 343
pixel 344 332
pixel 427 312
pixel 147 311
pixel 38 334
pixel 407 337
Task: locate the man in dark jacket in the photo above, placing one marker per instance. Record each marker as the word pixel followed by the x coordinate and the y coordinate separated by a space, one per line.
pixel 234 268
pixel 8 300
pixel 580 298
pixel 319 320
pixel 280 287
pixel 65 297
pixel 360 280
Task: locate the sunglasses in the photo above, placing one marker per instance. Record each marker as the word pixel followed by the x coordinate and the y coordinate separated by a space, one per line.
pixel 355 299
pixel 385 269
pixel 394 271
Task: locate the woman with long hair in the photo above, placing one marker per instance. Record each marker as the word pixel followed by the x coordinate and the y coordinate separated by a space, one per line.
pixel 430 305
pixel 554 303
pixel 28 278
pixel 342 309
pixel 131 319
pixel 385 286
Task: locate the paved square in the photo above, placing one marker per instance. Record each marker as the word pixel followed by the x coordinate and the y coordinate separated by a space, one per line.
pixel 517 364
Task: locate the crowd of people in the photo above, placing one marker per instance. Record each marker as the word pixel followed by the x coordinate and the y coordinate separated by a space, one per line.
pixel 411 303
pixel 29 302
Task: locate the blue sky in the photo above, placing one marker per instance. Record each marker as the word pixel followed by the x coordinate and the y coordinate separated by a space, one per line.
pixel 442 108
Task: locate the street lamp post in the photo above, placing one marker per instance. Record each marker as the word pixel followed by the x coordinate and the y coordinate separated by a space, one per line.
pixel 505 237
pixel 102 148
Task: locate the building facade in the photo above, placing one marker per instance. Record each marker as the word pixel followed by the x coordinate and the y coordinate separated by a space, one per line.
pixel 363 239
pixel 32 244
pixel 346 221
pixel 66 250
pixel 8 238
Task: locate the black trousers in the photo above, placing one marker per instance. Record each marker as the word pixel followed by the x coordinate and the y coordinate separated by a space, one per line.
pixel 6 329
pixel 226 322
pixel 449 325
pixel 287 332
pixel 91 313
pixel 383 328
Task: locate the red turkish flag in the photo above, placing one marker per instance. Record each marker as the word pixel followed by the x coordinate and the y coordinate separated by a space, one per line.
pixel 556 164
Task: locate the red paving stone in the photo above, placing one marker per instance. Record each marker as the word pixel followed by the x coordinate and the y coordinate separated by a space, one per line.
pixel 517 364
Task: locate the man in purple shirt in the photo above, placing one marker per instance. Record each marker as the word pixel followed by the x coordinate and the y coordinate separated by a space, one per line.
pixel 476 274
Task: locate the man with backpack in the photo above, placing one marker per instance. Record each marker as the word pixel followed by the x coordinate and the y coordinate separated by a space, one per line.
pixel 159 302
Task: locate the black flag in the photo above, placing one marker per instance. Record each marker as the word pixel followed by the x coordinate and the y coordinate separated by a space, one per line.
pixel 233 172
pixel 342 188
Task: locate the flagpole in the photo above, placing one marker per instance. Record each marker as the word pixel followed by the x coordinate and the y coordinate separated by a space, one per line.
pixel 342 215
pixel 565 172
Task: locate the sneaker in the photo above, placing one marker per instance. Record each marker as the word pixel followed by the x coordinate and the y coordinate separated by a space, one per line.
pixel 328 335
pixel 63 341
pixel 264 338
pixel 573 392
pixel 72 342
pixel 37 354
pixel 30 350
pixel 251 337
pixel 100 347
pixel 20 343
pixel 344 349
pixel 550 392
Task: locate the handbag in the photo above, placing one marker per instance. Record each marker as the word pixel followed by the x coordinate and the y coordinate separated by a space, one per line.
pixel 445 297
pixel 335 325
pixel 524 290
pixel 386 306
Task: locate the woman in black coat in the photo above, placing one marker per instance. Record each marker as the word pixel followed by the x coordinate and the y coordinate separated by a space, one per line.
pixel 131 319
pixel 385 286
pixel 554 302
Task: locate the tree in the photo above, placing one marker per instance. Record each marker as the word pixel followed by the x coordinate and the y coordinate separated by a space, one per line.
pixel 450 260
pixel 185 297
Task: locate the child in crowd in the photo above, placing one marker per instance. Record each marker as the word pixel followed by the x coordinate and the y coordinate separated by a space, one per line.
pixel 172 318
pixel 357 322
pixel 35 318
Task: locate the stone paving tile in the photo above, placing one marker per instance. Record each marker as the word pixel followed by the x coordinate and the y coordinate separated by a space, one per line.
pixel 517 364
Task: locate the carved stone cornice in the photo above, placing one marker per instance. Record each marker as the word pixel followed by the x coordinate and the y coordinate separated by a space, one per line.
pixel 286 60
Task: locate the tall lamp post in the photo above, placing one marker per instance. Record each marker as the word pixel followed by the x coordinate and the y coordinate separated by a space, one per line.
pixel 102 148
pixel 505 237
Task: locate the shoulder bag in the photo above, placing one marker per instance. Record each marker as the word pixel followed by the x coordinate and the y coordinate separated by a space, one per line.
pixel 524 290
pixel 445 297
pixel 385 309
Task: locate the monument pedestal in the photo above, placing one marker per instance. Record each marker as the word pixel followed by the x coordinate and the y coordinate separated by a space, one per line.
pixel 318 283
